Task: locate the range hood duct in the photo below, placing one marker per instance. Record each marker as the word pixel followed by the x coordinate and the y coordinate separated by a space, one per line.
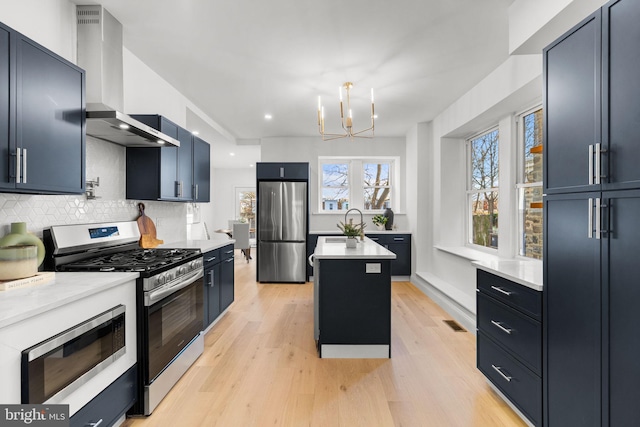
pixel 100 54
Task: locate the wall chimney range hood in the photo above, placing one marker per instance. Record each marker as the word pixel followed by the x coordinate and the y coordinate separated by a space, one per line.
pixel 100 54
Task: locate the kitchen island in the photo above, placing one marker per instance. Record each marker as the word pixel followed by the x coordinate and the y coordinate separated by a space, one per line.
pixel 352 299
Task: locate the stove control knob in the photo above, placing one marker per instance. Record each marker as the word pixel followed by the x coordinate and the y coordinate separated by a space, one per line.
pixel 161 279
pixel 182 270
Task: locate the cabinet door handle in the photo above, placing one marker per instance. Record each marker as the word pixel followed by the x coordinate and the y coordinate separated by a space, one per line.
pixel 24 165
pixel 18 165
pixel 210 259
pixel 502 328
pixel 502 291
pixel 590 219
pixel 398 239
pixel 281 172
pixel 499 370
pixel 591 164
pixel 229 260
pixel 229 252
pixel 597 166
pixel 212 279
pixel 598 232
pixel 196 196
pixel 310 260
pixel 96 424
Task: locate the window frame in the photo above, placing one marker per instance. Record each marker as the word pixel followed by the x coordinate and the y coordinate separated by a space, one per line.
pixel 356 182
pixel 470 192
pixel 520 184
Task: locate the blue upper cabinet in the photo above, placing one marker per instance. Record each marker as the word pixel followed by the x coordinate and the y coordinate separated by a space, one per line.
pixel 168 173
pixel 42 119
pixel 591 103
pixel 572 108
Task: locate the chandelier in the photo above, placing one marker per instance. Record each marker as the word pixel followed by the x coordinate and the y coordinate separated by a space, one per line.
pixel 347 122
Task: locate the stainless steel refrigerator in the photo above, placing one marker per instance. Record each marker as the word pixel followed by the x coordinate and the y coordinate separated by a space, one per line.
pixel 282 231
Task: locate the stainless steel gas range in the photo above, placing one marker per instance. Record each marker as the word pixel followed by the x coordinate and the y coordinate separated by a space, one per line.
pixel 169 308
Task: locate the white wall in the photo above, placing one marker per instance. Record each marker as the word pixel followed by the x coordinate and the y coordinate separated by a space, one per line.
pixel 52 23
pixel 225 182
pixel 292 149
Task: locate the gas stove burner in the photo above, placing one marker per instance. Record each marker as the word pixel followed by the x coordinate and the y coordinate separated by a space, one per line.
pixel 140 260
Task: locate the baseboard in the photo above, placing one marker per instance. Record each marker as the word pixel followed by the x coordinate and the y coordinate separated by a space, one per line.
pixel 458 311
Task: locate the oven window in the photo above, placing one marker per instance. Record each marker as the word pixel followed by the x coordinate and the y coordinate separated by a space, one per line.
pixel 172 323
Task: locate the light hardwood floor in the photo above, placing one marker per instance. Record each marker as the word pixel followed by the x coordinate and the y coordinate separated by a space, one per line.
pixel 260 368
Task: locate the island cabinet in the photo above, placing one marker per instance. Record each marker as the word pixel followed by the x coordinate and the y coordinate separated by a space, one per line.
pixel 509 341
pixel 218 282
pixel 352 299
pixel 42 103
pixel 179 174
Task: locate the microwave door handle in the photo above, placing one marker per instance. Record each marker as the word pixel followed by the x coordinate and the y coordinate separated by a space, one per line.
pixel 156 295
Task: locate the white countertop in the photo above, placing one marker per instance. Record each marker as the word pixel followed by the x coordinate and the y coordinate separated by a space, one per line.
pixel 371 230
pixel 367 249
pixel 19 304
pixel 216 241
pixel 527 273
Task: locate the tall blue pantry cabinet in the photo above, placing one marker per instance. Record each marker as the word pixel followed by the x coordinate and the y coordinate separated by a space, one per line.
pixel 592 221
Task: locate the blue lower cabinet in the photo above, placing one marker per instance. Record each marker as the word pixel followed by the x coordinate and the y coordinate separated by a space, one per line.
pixel 509 341
pixel 219 279
pixel 111 404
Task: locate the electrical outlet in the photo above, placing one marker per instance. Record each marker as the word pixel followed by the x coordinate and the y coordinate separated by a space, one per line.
pixel 373 268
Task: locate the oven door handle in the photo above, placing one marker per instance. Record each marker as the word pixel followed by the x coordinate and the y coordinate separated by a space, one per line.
pixel 156 295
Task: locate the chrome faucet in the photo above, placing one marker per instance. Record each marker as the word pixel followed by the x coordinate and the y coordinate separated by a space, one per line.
pixel 361 221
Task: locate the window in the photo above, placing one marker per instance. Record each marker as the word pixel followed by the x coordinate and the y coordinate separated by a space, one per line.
pixel 529 184
pixel 369 184
pixel 377 185
pixel 482 189
pixel 335 186
pixel 246 205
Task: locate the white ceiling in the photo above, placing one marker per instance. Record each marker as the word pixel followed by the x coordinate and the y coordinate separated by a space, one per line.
pixel 238 60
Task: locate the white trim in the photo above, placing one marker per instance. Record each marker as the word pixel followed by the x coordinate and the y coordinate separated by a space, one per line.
pixel 450 299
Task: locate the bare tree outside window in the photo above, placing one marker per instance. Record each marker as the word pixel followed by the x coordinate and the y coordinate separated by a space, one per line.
pixel 377 185
pixel 483 191
pixel 335 186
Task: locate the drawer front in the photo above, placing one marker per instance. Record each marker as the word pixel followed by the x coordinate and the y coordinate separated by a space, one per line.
pixel 511 293
pixel 210 258
pixel 385 239
pixel 518 333
pixel 226 252
pixel 110 404
pixel 519 384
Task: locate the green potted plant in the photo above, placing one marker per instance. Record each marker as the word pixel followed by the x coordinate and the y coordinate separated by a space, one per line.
pixel 352 231
pixel 379 221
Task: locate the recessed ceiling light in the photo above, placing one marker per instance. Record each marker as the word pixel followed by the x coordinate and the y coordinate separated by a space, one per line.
pixel 251 165
pixel 232 154
pixel 124 126
pixel 268 116
pixel 195 132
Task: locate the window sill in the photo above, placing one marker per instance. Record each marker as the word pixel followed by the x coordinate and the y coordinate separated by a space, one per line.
pixel 468 253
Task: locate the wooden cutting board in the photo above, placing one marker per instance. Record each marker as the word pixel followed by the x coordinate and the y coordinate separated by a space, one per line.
pixel 147 230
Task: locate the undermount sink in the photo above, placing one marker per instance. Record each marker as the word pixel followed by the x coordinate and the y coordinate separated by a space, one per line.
pixel 335 240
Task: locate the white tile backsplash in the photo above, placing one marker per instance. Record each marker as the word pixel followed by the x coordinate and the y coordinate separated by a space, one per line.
pixel 107 161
